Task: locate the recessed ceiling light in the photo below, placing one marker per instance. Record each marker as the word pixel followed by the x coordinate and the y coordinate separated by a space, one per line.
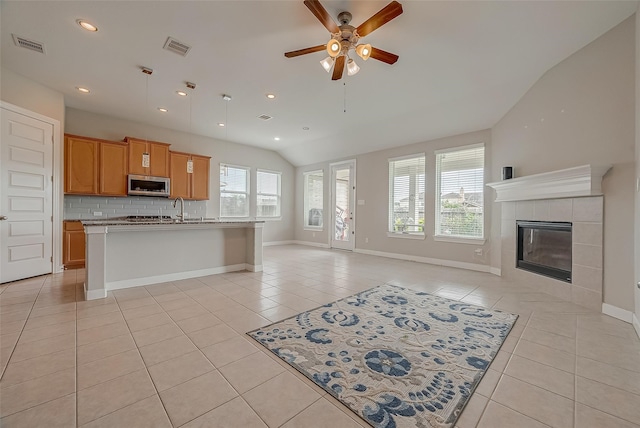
pixel 305 128
pixel 271 96
pixel 87 25
pixel 276 138
pixel 162 109
pixel 181 93
pixel 220 124
pixel 83 90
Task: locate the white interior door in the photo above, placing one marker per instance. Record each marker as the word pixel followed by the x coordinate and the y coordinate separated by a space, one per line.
pixel 342 205
pixel 26 152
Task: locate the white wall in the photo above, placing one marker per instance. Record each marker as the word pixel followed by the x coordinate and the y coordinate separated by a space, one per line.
pixel 582 112
pixel 88 124
pixel 372 182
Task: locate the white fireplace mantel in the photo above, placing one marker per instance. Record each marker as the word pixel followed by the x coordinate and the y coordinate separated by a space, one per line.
pixel 585 180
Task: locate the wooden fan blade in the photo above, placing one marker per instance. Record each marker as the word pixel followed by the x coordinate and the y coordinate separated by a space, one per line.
pixel 385 15
pixel 338 68
pixel 305 51
pixel 323 16
pixel 383 56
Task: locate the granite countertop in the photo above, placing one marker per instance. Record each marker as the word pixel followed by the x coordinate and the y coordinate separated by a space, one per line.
pixel 119 221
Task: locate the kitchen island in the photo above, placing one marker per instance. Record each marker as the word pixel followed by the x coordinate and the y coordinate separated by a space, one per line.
pixel 122 254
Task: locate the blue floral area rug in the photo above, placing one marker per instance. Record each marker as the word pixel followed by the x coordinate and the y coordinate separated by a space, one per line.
pixel 396 357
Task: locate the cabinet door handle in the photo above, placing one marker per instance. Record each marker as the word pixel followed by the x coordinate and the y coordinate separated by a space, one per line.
pixel 3 217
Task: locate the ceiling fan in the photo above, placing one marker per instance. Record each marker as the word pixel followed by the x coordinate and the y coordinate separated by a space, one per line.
pixel 344 38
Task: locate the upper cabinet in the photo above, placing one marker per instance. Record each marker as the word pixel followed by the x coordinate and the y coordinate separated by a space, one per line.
pixel 81 157
pixel 113 168
pixel 148 157
pixel 94 167
pixel 99 167
pixel 189 176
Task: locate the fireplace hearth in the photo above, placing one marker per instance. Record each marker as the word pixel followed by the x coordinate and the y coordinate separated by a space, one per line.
pixel 545 248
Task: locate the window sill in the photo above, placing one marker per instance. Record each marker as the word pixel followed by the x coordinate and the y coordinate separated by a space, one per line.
pixel 459 240
pixel 313 229
pixel 406 235
pixel 269 218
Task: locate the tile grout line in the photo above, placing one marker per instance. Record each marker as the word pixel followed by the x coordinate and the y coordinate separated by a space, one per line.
pixel 143 362
pixel 4 368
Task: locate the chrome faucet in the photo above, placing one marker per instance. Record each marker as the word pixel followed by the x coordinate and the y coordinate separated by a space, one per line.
pixel 181 215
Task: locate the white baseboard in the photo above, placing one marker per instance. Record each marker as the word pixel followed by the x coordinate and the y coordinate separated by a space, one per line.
pixel 616 312
pixel 496 271
pixel 429 260
pixel 636 324
pixel 94 294
pixel 253 268
pixel 136 282
pixel 272 243
pixel 311 244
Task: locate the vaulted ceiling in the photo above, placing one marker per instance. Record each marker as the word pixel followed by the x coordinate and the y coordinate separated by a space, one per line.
pixel 462 66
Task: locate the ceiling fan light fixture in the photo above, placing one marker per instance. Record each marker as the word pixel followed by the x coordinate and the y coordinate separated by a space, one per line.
pixel 352 67
pixel 364 51
pixel 333 48
pixel 327 63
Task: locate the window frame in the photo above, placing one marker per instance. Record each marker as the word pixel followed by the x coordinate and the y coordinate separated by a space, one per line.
pixel 390 208
pixel 305 203
pixel 462 239
pixel 278 195
pixel 247 191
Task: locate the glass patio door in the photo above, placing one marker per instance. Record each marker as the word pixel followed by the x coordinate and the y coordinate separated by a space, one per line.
pixel 343 206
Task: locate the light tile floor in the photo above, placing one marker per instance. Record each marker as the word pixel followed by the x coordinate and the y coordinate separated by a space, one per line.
pixel 175 354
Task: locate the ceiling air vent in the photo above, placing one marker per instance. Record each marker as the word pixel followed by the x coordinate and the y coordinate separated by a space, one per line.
pixel 265 117
pixel 28 44
pixel 176 46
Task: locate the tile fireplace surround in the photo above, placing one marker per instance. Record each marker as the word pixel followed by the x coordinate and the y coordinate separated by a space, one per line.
pixel 571 195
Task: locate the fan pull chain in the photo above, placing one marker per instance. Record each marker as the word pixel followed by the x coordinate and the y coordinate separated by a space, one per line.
pixel 345 97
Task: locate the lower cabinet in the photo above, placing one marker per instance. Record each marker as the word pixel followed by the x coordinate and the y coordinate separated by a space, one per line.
pixel 73 245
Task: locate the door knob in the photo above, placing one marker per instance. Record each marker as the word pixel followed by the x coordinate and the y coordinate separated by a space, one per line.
pixel 3 217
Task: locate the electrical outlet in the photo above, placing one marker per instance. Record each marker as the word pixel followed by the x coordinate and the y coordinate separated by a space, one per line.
pixel 97 213
pixel 313 234
pixel 478 251
pixel 366 240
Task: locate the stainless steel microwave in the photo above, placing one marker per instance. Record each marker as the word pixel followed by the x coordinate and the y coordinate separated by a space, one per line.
pixel 145 185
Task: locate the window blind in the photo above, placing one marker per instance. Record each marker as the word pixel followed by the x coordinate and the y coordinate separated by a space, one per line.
pixel 313 199
pixel 406 194
pixel 268 194
pixel 460 192
pixel 234 191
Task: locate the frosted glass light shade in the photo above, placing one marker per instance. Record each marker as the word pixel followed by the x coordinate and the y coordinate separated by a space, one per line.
pixel 352 67
pixel 333 48
pixel 327 63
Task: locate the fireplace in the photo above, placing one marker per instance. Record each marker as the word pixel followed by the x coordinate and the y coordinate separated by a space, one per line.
pixel 545 248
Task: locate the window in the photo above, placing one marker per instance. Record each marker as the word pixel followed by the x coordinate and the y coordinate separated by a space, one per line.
pixel 313 199
pixel 234 191
pixel 268 194
pixel 406 195
pixel 460 192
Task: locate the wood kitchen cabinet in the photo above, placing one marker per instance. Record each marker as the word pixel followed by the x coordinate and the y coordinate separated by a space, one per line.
pixel 113 168
pixel 73 246
pixel 189 185
pixel 94 167
pixel 158 154
pixel 81 165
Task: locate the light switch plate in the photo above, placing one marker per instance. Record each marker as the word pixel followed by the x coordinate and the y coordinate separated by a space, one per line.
pixel 360 201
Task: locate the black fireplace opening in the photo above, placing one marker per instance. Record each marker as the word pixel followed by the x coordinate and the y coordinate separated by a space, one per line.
pixel 545 248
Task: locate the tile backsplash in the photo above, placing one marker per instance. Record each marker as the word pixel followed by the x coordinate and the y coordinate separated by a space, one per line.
pixel 84 207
